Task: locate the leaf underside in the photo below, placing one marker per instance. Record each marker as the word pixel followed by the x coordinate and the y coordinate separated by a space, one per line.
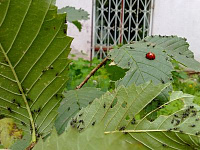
pixel 117 109
pixel 33 62
pixel 177 48
pixel 141 69
pixel 176 131
pixel 73 102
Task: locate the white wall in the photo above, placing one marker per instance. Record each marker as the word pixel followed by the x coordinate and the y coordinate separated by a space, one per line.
pixel 179 17
pixel 82 40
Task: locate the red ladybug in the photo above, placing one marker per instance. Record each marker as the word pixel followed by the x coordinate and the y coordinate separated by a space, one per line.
pixel 150 56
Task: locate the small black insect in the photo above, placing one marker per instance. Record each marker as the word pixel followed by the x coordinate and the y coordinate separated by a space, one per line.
pixel 104 106
pixel 180 53
pixel 164 145
pixel 23 123
pixel 93 123
pixel 191 107
pixel 148 45
pixel 129 63
pixel 9 109
pixel 71 123
pixel 39 109
pixel 187 56
pixel 51 67
pixel 13 100
pixel 175 128
pixel 90 102
pixel 193 111
pixel 68 109
pixel 193 125
pixel 75 120
pixel 170 129
pixel 172 121
pixel 133 121
pixel 163 82
pixel 176 116
pixel 194 114
pixel 56 95
pixel 111 106
pixel 181 131
pixel 197 133
pixel 80 114
pixel 43 71
pixel 81 129
pixel 57 74
pixel 81 121
pixel 122 128
pixel 18 104
pixel 187 110
pixel 28 99
pixel 197 119
pixel 20 92
pixel 65 31
pixel 177 122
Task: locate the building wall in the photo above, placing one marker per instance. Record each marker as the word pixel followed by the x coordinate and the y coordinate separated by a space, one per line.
pixel 82 40
pixel 178 17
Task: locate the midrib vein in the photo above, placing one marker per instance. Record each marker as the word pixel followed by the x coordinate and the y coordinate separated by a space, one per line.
pixel 23 95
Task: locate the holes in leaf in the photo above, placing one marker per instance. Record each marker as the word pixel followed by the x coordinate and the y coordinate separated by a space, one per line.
pixel 127 117
pixel 113 103
pixel 124 104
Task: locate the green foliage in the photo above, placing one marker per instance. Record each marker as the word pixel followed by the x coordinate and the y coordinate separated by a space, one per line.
pixel 117 109
pixel 33 63
pixel 179 130
pixel 73 102
pixel 177 48
pixel 79 69
pixel 141 70
pixel 74 15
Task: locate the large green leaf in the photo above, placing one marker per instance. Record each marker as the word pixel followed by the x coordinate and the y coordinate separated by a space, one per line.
pixel 141 69
pixel 75 15
pixel 33 63
pixel 117 109
pixel 72 103
pixel 177 48
pixel 177 131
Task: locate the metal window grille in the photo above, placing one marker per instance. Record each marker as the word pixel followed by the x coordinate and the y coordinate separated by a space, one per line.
pixel 119 22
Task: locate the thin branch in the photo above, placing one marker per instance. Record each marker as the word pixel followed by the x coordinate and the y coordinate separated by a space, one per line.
pixel 92 73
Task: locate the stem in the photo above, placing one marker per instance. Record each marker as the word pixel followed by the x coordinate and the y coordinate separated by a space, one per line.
pixel 93 72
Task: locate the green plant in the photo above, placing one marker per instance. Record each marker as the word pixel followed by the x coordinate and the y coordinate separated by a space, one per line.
pixel 34 72
pixel 34 64
pixel 74 15
pixel 80 68
pixel 114 114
